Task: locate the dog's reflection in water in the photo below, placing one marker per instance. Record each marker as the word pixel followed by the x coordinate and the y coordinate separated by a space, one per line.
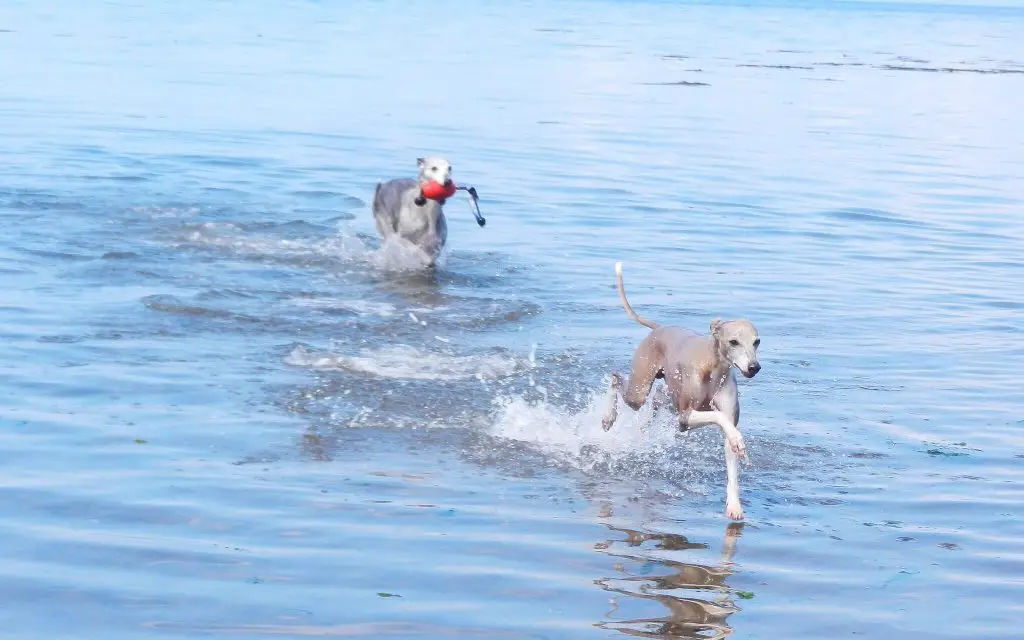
pixel 688 616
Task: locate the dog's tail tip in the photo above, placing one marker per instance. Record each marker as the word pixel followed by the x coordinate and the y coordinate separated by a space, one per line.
pixel 618 268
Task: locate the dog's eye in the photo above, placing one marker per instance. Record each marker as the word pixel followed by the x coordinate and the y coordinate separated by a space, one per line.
pixel 734 343
pixel 757 343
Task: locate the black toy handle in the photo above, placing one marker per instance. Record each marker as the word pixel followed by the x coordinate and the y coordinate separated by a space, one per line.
pixel 474 201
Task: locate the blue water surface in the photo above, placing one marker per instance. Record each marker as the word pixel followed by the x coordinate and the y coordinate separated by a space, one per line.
pixel 225 412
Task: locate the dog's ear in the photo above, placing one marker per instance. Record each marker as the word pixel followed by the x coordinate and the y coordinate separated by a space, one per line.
pixel 716 327
pixel 420 162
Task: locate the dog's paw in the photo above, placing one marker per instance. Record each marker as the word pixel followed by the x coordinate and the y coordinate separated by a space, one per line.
pixel 607 422
pixel 738 446
pixel 734 511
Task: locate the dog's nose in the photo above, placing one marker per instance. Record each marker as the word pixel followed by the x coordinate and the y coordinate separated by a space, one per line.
pixel 754 368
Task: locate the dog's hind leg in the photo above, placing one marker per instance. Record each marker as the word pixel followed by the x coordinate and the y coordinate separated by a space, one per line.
pixel 647 365
pixel 611 412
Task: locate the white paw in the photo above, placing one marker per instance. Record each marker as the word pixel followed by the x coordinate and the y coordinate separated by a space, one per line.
pixel 738 445
pixel 734 511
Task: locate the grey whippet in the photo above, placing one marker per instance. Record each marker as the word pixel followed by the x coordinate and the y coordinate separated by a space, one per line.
pixel 698 375
pixel 399 208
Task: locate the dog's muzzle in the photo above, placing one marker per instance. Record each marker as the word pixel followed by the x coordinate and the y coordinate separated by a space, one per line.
pixel 752 370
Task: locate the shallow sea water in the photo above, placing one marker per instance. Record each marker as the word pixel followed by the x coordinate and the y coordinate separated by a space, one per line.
pixel 225 411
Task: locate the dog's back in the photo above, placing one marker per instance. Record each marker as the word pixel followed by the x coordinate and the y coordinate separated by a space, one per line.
pixel 684 348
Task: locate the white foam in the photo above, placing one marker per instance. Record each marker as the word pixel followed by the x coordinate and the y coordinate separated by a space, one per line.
pixel 409 363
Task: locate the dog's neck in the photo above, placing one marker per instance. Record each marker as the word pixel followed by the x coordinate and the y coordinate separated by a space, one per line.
pixel 722 366
pixel 719 373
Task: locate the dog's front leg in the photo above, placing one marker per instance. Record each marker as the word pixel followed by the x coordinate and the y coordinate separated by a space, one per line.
pixel 733 506
pixel 735 448
pixel 691 419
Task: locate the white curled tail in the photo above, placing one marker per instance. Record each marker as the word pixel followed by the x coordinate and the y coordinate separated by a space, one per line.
pixel 625 303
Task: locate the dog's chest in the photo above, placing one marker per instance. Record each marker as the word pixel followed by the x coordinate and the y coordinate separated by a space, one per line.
pixel 415 220
pixel 411 224
pixel 700 389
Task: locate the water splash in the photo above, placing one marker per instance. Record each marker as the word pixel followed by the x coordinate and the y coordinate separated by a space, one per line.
pixel 643 444
pixel 399 255
pixel 394 255
pixel 234 239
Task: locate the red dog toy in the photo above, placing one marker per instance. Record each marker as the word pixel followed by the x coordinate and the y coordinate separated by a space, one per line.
pixel 437 191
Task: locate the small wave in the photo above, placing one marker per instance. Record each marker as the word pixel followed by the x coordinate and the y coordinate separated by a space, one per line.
pixel 359 307
pixel 408 363
pixel 167 212
pixel 175 305
pixel 926 69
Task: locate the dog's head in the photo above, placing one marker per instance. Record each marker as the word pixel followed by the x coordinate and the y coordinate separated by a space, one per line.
pixel 434 168
pixel 737 343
